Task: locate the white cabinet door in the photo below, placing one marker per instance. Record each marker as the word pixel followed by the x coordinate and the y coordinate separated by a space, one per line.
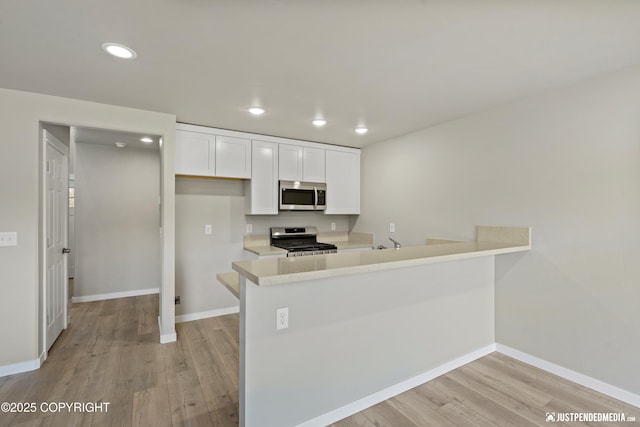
pixel 261 192
pixel 343 182
pixel 233 157
pixel 313 167
pixel 299 163
pixel 290 162
pixel 195 153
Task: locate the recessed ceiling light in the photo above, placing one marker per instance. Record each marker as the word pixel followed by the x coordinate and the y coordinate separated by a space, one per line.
pixel 146 140
pixel 319 122
pixel 119 50
pixel 361 130
pixel 256 111
pixel 121 144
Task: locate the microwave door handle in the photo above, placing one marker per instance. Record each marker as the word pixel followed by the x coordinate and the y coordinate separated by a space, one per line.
pixel 315 197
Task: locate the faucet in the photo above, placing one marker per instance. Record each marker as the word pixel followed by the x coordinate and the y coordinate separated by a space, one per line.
pixel 395 244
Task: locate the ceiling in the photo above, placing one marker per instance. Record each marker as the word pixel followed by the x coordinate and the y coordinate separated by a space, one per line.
pixel 111 137
pixel 392 66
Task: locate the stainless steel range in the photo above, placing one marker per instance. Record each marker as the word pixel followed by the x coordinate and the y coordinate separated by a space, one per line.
pixel 300 241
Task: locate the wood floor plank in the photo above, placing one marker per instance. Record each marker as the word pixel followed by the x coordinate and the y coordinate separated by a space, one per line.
pixel 176 357
pixel 462 415
pixel 226 352
pixel 186 400
pixel 384 414
pixel 507 384
pixel 151 408
pixel 356 420
pixel 511 401
pixel 579 398
pixel 419 410
pixel 479 403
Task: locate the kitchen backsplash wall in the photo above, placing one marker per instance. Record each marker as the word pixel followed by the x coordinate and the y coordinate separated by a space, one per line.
pixel 199 257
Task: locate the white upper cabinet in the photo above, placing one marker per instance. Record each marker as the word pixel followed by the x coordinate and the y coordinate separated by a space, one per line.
pixel 208 154
pixel 261 192
pixel 195 153
pixel 264 160
pixel 290 162
pixel 313 164
pixel 343 182
pixel 298 163
pixel 233 157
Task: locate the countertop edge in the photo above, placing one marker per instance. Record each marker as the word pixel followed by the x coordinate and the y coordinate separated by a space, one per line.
pixel 265 250
pixel 387 265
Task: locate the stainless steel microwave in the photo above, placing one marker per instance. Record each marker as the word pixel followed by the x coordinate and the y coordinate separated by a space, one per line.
pixel 303 196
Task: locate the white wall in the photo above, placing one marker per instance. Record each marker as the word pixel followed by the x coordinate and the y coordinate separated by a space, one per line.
pixel 20 117
pixel 117 219
pixel 200 257
pixel 566 163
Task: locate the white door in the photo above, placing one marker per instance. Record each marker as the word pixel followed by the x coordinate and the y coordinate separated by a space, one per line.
pixel 56 222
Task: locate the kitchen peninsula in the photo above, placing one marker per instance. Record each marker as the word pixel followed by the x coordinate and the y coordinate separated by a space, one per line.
pixel 362 326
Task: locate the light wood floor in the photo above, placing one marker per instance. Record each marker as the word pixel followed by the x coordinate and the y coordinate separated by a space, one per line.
pixel 111 353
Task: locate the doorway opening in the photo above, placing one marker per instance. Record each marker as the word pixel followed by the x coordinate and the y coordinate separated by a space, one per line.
pixel 114 217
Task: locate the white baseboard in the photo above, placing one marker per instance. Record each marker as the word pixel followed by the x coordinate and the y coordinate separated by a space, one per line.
pixel 396 389
pixel 166 338
pixel 568 374
pixel 205 314
pixel 113 295
pixel 16 368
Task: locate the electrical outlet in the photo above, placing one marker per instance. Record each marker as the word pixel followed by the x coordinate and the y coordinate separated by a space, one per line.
pixel 333 226
pixel 207 229
pixel 177 300
pixel 282 318
pixel 9 238
pixel 249 228
pixel 392 228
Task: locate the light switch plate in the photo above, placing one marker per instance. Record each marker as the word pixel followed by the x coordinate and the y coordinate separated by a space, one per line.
pixel 249 228
pixel 8 238
pixel 207 229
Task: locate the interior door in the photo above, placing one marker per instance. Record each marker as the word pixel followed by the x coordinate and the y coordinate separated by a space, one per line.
pixel 56 223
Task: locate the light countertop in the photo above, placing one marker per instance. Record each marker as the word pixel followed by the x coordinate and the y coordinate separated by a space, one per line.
pixel 259 244
pixel 230 281
pixel 287 270
pixel 265 250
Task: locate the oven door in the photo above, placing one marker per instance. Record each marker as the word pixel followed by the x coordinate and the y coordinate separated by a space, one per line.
pixel 298 196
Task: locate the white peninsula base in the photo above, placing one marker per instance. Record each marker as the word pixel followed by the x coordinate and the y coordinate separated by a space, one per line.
pixel 362 327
